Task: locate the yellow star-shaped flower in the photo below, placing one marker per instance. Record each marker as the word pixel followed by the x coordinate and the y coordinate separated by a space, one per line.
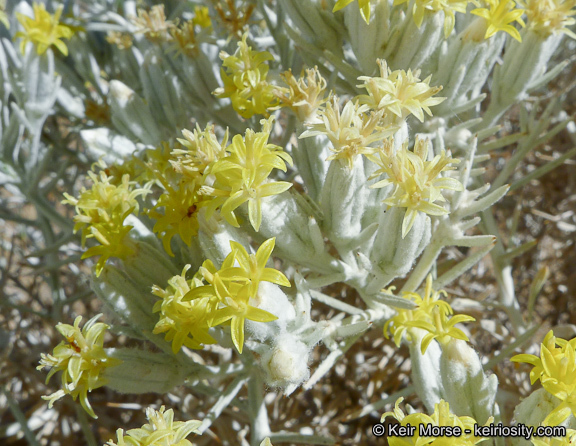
pixel 44 30
pixel 499 15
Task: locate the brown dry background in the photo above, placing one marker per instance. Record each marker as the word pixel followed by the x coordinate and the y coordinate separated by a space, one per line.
pixel 374 367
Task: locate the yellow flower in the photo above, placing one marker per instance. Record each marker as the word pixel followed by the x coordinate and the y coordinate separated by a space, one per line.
pixel 244 76
pixel 568 440
pixel 236 309
pixel 189 308
pixel 187 37
pixel 201 150
pixel 202 17
pixel 180 215
pixel 154 25
pixel 556 370
pixel 417 184
pixel 161 430
pixel 113 243
pixel 242 176
pixel 303 96
pixel 100 214
pixel 185 41
pixel 237 288
pixel 181 175
pixel 364 6
pixel 431 315
pixel 122 40
pixel 253 267
pixel 43 30
pixel 440 417
pixel 400 93
pixel 499 14
pixel 351 131
pixel 157 165
pixel 234 16
pixel 185 321
pixel 547 17
pixel 81 358
pixel 449 7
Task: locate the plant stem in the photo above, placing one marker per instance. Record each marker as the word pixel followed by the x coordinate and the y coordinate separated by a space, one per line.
pixel 503 273
pixel 260 427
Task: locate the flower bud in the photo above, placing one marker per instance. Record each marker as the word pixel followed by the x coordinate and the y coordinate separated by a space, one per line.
pixel 314 23
pixel 286 364
pixel 302 240
pixel 392 255
pixel 343 201
pixel 131 115
pixel 426 373
pixel 310 158
pixel 523 67
pixel 468 390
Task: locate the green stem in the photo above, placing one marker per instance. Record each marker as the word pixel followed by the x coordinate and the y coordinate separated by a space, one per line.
pixel 424 265
pixel 503 273
pixel 85 426
pixel 260 427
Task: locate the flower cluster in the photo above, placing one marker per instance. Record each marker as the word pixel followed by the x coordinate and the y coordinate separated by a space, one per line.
pixel 180 215
pixel 547 17
pixel 207 173
pixel 100 214
pixel 153 24
pixel 364 6
pixel 399 93
pixel 303 96
pixel 417 182
pixel 161 430
pixel 44 30
pixel 499 14
pixel 244 76
pixel 371 117
pixel 189 308
pixel 234 16
pixel 440 417
pixel 351 131
pixel 432 315
pixel 81 359
pixel 556 370
pixel 181 172
pixel 192 32
pixel 185 41
pixel 121 40
pixel 449 7
pixel 201 150
pixel 190 274
pixel 202 17
pixel 184 38
pixel 242 175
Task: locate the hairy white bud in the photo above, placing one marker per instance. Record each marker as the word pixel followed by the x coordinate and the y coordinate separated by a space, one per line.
pixel 286 363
